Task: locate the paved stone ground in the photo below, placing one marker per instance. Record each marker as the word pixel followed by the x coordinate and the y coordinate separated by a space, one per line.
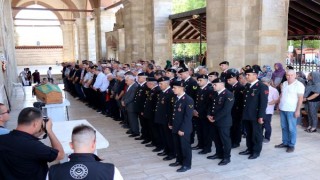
pixel 136 161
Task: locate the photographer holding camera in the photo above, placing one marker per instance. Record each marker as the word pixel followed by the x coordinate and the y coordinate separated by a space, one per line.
pixel 22 155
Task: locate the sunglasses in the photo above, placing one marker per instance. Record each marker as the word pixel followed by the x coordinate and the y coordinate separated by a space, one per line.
pixel 5 112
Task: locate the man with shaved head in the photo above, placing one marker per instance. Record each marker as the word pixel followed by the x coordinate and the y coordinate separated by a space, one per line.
pixel 83 163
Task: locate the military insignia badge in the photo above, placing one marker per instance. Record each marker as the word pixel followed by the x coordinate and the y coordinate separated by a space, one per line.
pixel 190 106
pixel 230 99
pixel 266 92
pixel 194 87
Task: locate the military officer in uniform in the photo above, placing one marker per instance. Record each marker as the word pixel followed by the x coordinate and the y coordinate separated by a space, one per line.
pixel 212 76
pixel 220 117
pixel 181 125
pixel 139 100
pixel 148 113
pixel 163 114
pixel 191 88
pixel 202 103
pixel 254 110
pixel 171 74
pixel 237 90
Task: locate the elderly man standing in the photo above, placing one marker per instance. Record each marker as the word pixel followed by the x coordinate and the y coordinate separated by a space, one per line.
pixel 290 103
pixel 4 117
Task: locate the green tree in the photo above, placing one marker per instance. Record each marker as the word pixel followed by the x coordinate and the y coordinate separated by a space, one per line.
pixel 189 50
pixel 306 43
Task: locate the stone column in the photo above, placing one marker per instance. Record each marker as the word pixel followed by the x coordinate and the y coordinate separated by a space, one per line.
pixel 162 31
pixel 147 30
pixel 68 42
pixel 104 20
pixel 246 32
pixel 82 38
pixel 91 40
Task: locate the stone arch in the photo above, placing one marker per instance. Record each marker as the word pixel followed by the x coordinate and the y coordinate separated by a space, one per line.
pixel 59 16
pixel 112 41
pixel 69 3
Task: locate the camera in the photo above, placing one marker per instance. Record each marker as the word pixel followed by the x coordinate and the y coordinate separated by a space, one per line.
pixel 45 119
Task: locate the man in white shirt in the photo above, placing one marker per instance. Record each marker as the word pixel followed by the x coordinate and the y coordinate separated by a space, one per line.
pixel 100 87
pixel 290 103
pixel 49 75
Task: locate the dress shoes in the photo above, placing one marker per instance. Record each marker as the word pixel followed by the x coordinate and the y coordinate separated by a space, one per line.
pixel 145 142
pixel 168 158
pixel 235 146
pixel 157 150
pixel 183 169
pixel 175 164
pixel 224 162
pixel 134 135
pixel 204 152
pixel 195 148
pixel 138 138
pixel 215 156
pixel 281 146
pixel 253 156
pixel 246 152
pixel 149 145
pixel 125 126
pixel 129 132
pixel 162 153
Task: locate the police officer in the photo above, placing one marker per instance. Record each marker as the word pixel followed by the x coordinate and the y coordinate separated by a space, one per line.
pixel 220 117
pixel 139 100
pixel 181 125
pixel 84 164
pixel 171 74
pixel 202 103
pixel 191 88
pixel 255 104
pixel 237 89
pixel 148 113
pixel 163 114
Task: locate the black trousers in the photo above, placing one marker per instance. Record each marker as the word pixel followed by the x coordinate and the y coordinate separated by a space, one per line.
pixel 153 133
pixel 254 136
pixel 166 139
pixel 195 125
pixel 203 126
pixel 182 147
pixel 222 141
pixel 133 122
pixel 236 132
pixel 144 127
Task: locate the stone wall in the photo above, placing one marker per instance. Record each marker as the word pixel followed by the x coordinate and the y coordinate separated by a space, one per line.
pixel 39 55
pixel 246 32
pixel 7 50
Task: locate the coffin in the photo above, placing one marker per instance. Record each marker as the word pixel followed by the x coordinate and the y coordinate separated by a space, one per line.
pixel 49 93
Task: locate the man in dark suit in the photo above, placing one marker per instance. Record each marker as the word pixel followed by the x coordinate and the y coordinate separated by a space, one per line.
pixel 181 125
pixel 200 112
pixel 237 90
pixel 220 117
pixel 139 100
pixel 255 104
pixel 128 102
pixel 191 88
pixel 163 114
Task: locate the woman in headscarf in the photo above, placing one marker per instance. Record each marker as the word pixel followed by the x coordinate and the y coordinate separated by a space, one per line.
pixel 311 96
pixel 266 72
pixel 278 74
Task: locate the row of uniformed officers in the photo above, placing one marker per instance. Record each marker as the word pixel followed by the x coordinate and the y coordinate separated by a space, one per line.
pixel 171 112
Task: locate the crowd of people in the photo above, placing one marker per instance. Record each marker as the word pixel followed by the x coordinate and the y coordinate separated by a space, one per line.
pixel 168 107
pixel 27 77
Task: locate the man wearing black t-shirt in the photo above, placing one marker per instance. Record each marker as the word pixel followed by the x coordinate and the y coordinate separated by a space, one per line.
pixel 22 155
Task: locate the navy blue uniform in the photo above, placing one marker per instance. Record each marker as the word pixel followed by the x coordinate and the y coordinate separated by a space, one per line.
pixel 148 113
pixel 255 104
pixel 182 121
pixel 191 88
pixel 237 109
pixel 82 166
pixel 139 100
pixel 202 104
pixel 220 132
pixel 163 114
